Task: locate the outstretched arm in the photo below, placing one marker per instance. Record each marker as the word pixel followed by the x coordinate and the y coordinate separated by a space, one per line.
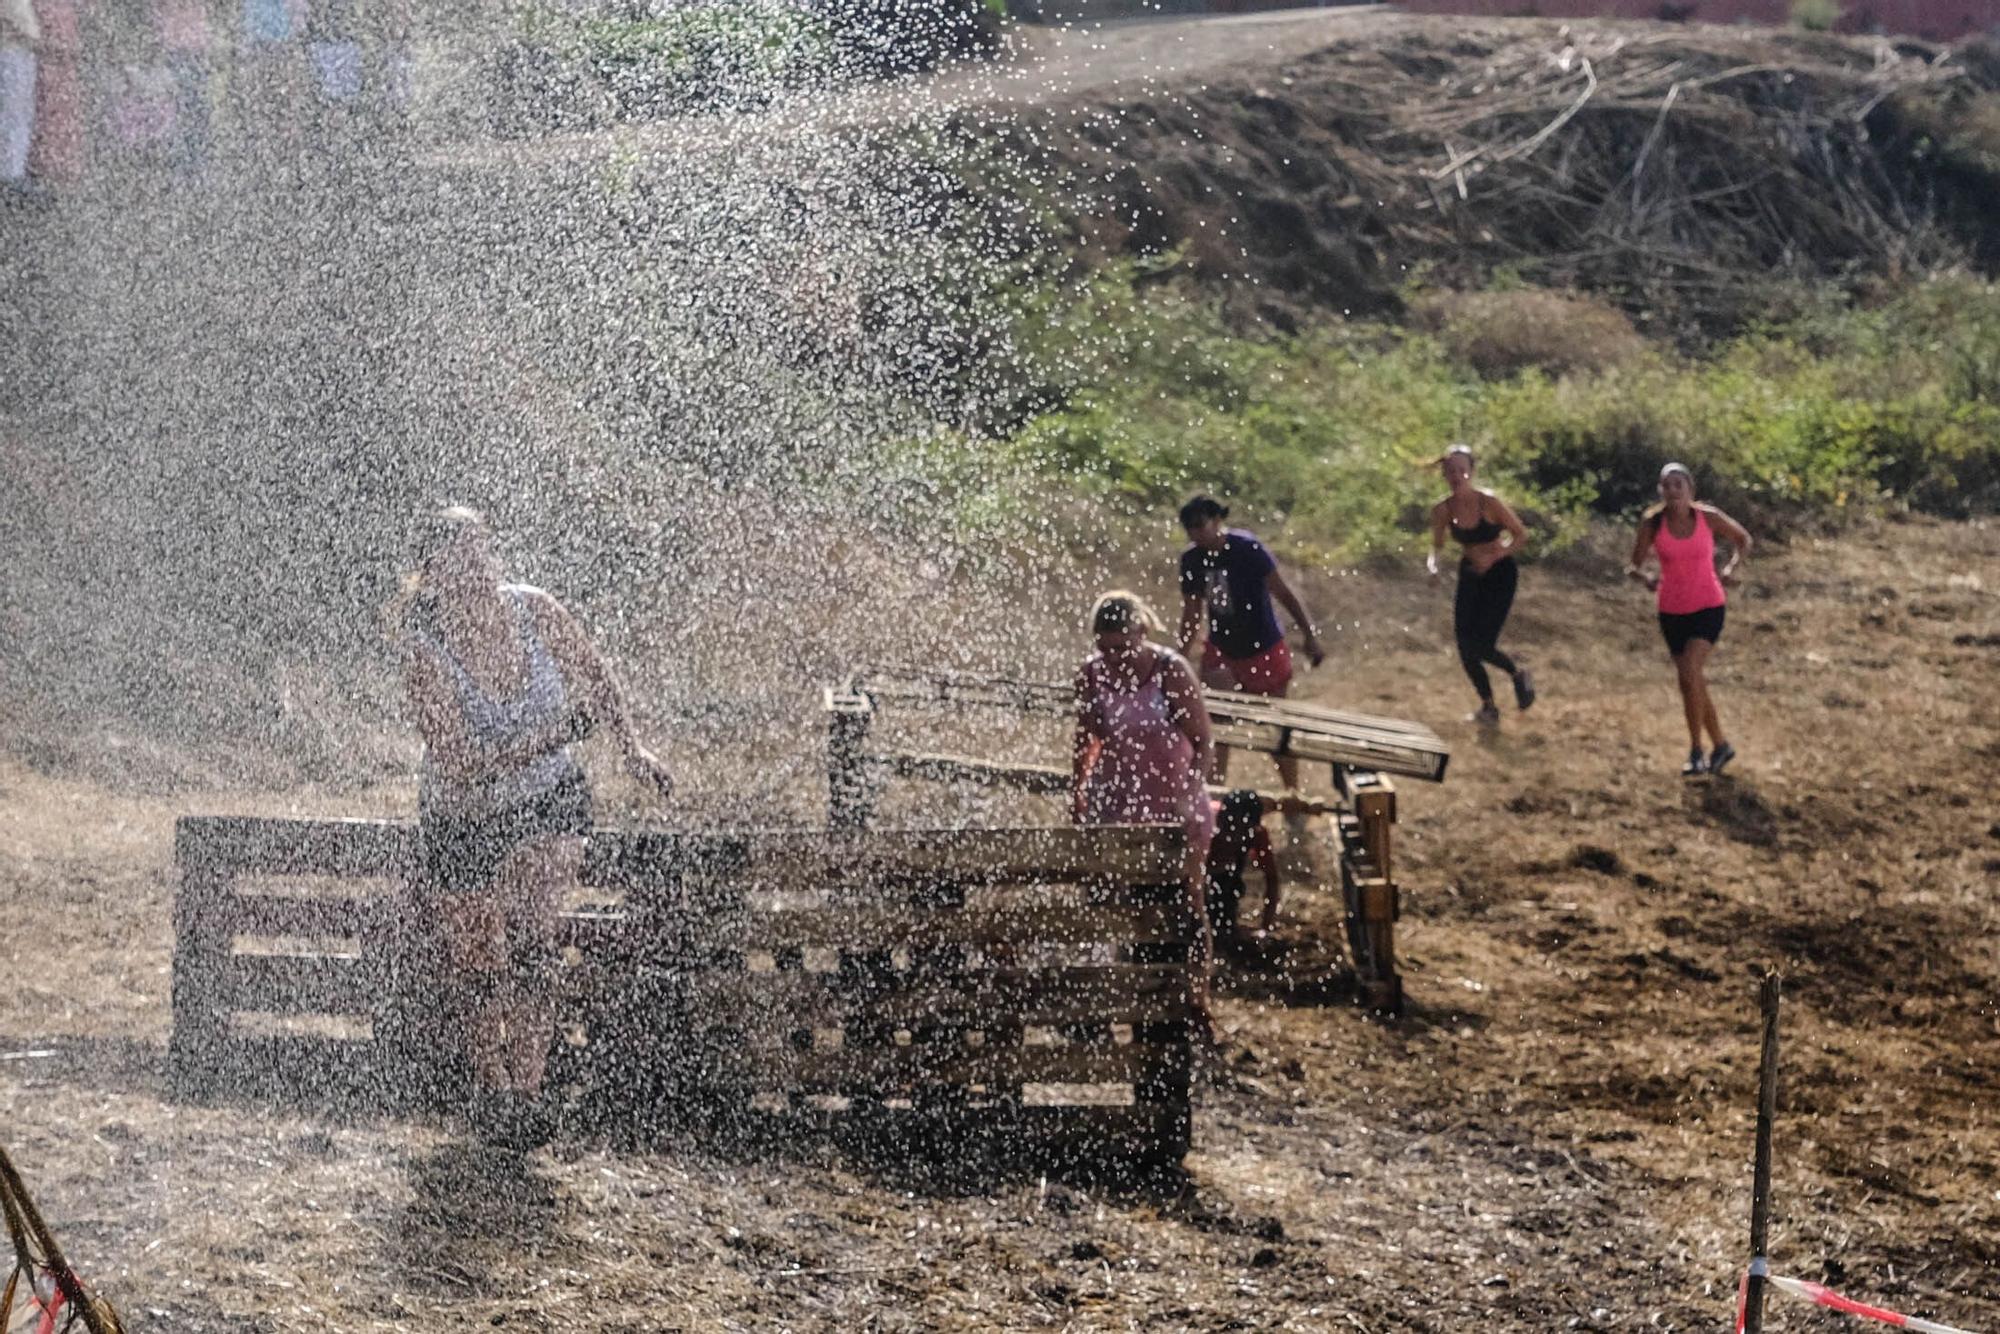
pixel 1282 591
pixel 1440 530
pixel 603 697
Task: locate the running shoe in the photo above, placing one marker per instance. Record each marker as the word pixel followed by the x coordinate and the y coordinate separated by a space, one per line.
pixel 1487 715
pixel 1696 765
pixel 1723 754
pixel 1524 689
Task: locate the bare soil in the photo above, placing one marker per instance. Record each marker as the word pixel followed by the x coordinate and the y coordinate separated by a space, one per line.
pixel 1556 1136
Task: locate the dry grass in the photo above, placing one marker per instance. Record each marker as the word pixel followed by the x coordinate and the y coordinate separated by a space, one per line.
pixel 1501 332
pixel 1558 1131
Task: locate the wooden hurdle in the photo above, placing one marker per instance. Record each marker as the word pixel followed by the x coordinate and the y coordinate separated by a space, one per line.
pixel 1024 990
pixel 1361 750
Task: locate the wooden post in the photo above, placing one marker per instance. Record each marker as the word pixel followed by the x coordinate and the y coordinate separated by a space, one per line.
pixel 1760 1189
pixel 848 798
pixel 1366 849
pixel 25 1224
pixel 201 947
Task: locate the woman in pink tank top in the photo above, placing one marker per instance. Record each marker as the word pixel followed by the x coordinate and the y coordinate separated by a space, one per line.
pixel 1681 535
pixel 1142 750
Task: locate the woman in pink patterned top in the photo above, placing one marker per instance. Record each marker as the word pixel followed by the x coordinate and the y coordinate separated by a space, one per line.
pixel 1142 749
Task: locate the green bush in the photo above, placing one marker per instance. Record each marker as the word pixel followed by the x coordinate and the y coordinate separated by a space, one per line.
pixel 1150 393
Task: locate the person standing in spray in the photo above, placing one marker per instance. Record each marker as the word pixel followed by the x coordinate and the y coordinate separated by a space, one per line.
pixel 502 681
pixel 1489 534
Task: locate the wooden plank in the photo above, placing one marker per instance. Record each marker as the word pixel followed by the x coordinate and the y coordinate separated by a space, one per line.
pixel 1107 993
pixel 875 1069
pixel 301 983
pixel 1054 852
pixel 593 931
pixel 694 869
pixel 312 917
pixel 311 847
pixel 1247 721
pixel 1048 1122
pixel 1023 926
pixel 1049 779
pixel 1041 779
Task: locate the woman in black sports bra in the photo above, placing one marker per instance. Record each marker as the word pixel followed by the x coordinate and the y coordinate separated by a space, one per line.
pixel 1490 534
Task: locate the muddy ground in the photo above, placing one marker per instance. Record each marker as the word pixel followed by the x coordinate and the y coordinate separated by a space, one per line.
pixel 1556 1136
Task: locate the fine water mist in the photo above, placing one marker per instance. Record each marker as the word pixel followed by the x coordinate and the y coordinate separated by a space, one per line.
pixel 691 358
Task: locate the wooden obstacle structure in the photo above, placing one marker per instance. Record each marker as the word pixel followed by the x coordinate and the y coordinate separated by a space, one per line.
pixel 1019 989
pixel 1361 750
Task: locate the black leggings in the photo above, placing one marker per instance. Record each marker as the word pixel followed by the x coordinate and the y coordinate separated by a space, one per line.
pixel 1477 614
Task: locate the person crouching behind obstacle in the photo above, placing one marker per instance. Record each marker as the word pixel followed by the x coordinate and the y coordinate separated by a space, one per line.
pixel 1241 841
pixel 503 680
pixel 1142 752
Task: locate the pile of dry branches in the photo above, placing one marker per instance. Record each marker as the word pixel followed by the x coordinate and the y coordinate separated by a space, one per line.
pixel 1679 168
pixel 1652 156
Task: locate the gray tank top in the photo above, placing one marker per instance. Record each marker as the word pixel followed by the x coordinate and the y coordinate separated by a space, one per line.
pixel 496 722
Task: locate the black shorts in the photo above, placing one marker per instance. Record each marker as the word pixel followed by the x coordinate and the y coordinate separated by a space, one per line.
pixel 1682 629
pixel 461 852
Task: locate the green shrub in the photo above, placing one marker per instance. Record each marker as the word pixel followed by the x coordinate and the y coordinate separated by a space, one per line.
pixel 1148 393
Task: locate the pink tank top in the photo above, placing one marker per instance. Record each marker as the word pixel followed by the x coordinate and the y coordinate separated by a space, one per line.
pixel 1688 581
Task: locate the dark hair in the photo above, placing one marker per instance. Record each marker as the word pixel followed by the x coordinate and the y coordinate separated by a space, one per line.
pixel 1200 509
pixel 1242 810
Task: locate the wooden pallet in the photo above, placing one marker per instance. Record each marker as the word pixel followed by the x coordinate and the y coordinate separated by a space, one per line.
pixel 1248 722
pixel 1025 987
pixel 1356 747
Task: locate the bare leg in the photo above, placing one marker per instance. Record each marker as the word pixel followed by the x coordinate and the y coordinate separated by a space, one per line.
pixel 1701 706
pixel 530 882
pixel 475 946
pixel 1688 672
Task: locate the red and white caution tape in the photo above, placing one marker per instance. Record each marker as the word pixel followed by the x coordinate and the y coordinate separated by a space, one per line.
pixel 1820 1295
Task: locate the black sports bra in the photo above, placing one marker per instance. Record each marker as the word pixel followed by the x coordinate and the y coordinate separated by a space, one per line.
pixel 1484 531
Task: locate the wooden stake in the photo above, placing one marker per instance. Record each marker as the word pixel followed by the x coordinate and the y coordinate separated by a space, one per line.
pixel 1760 1190
pixel 97 1316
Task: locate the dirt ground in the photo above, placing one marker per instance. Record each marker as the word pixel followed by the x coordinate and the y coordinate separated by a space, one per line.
pixel 1556 1136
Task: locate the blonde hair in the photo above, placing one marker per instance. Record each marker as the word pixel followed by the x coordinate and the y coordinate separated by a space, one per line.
pixel 1120 610
pixel 410 608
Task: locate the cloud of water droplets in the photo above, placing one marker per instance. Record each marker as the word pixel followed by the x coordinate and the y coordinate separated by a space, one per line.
pixel 698 368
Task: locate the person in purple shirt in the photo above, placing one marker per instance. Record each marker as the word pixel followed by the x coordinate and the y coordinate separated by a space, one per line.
pixel 1228 582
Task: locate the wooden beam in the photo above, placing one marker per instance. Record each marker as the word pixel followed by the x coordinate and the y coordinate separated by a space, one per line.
pixel 1050 779
pixel 1250 722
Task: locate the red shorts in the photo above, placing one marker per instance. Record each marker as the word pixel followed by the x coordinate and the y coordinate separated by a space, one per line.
pixel 1268 673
